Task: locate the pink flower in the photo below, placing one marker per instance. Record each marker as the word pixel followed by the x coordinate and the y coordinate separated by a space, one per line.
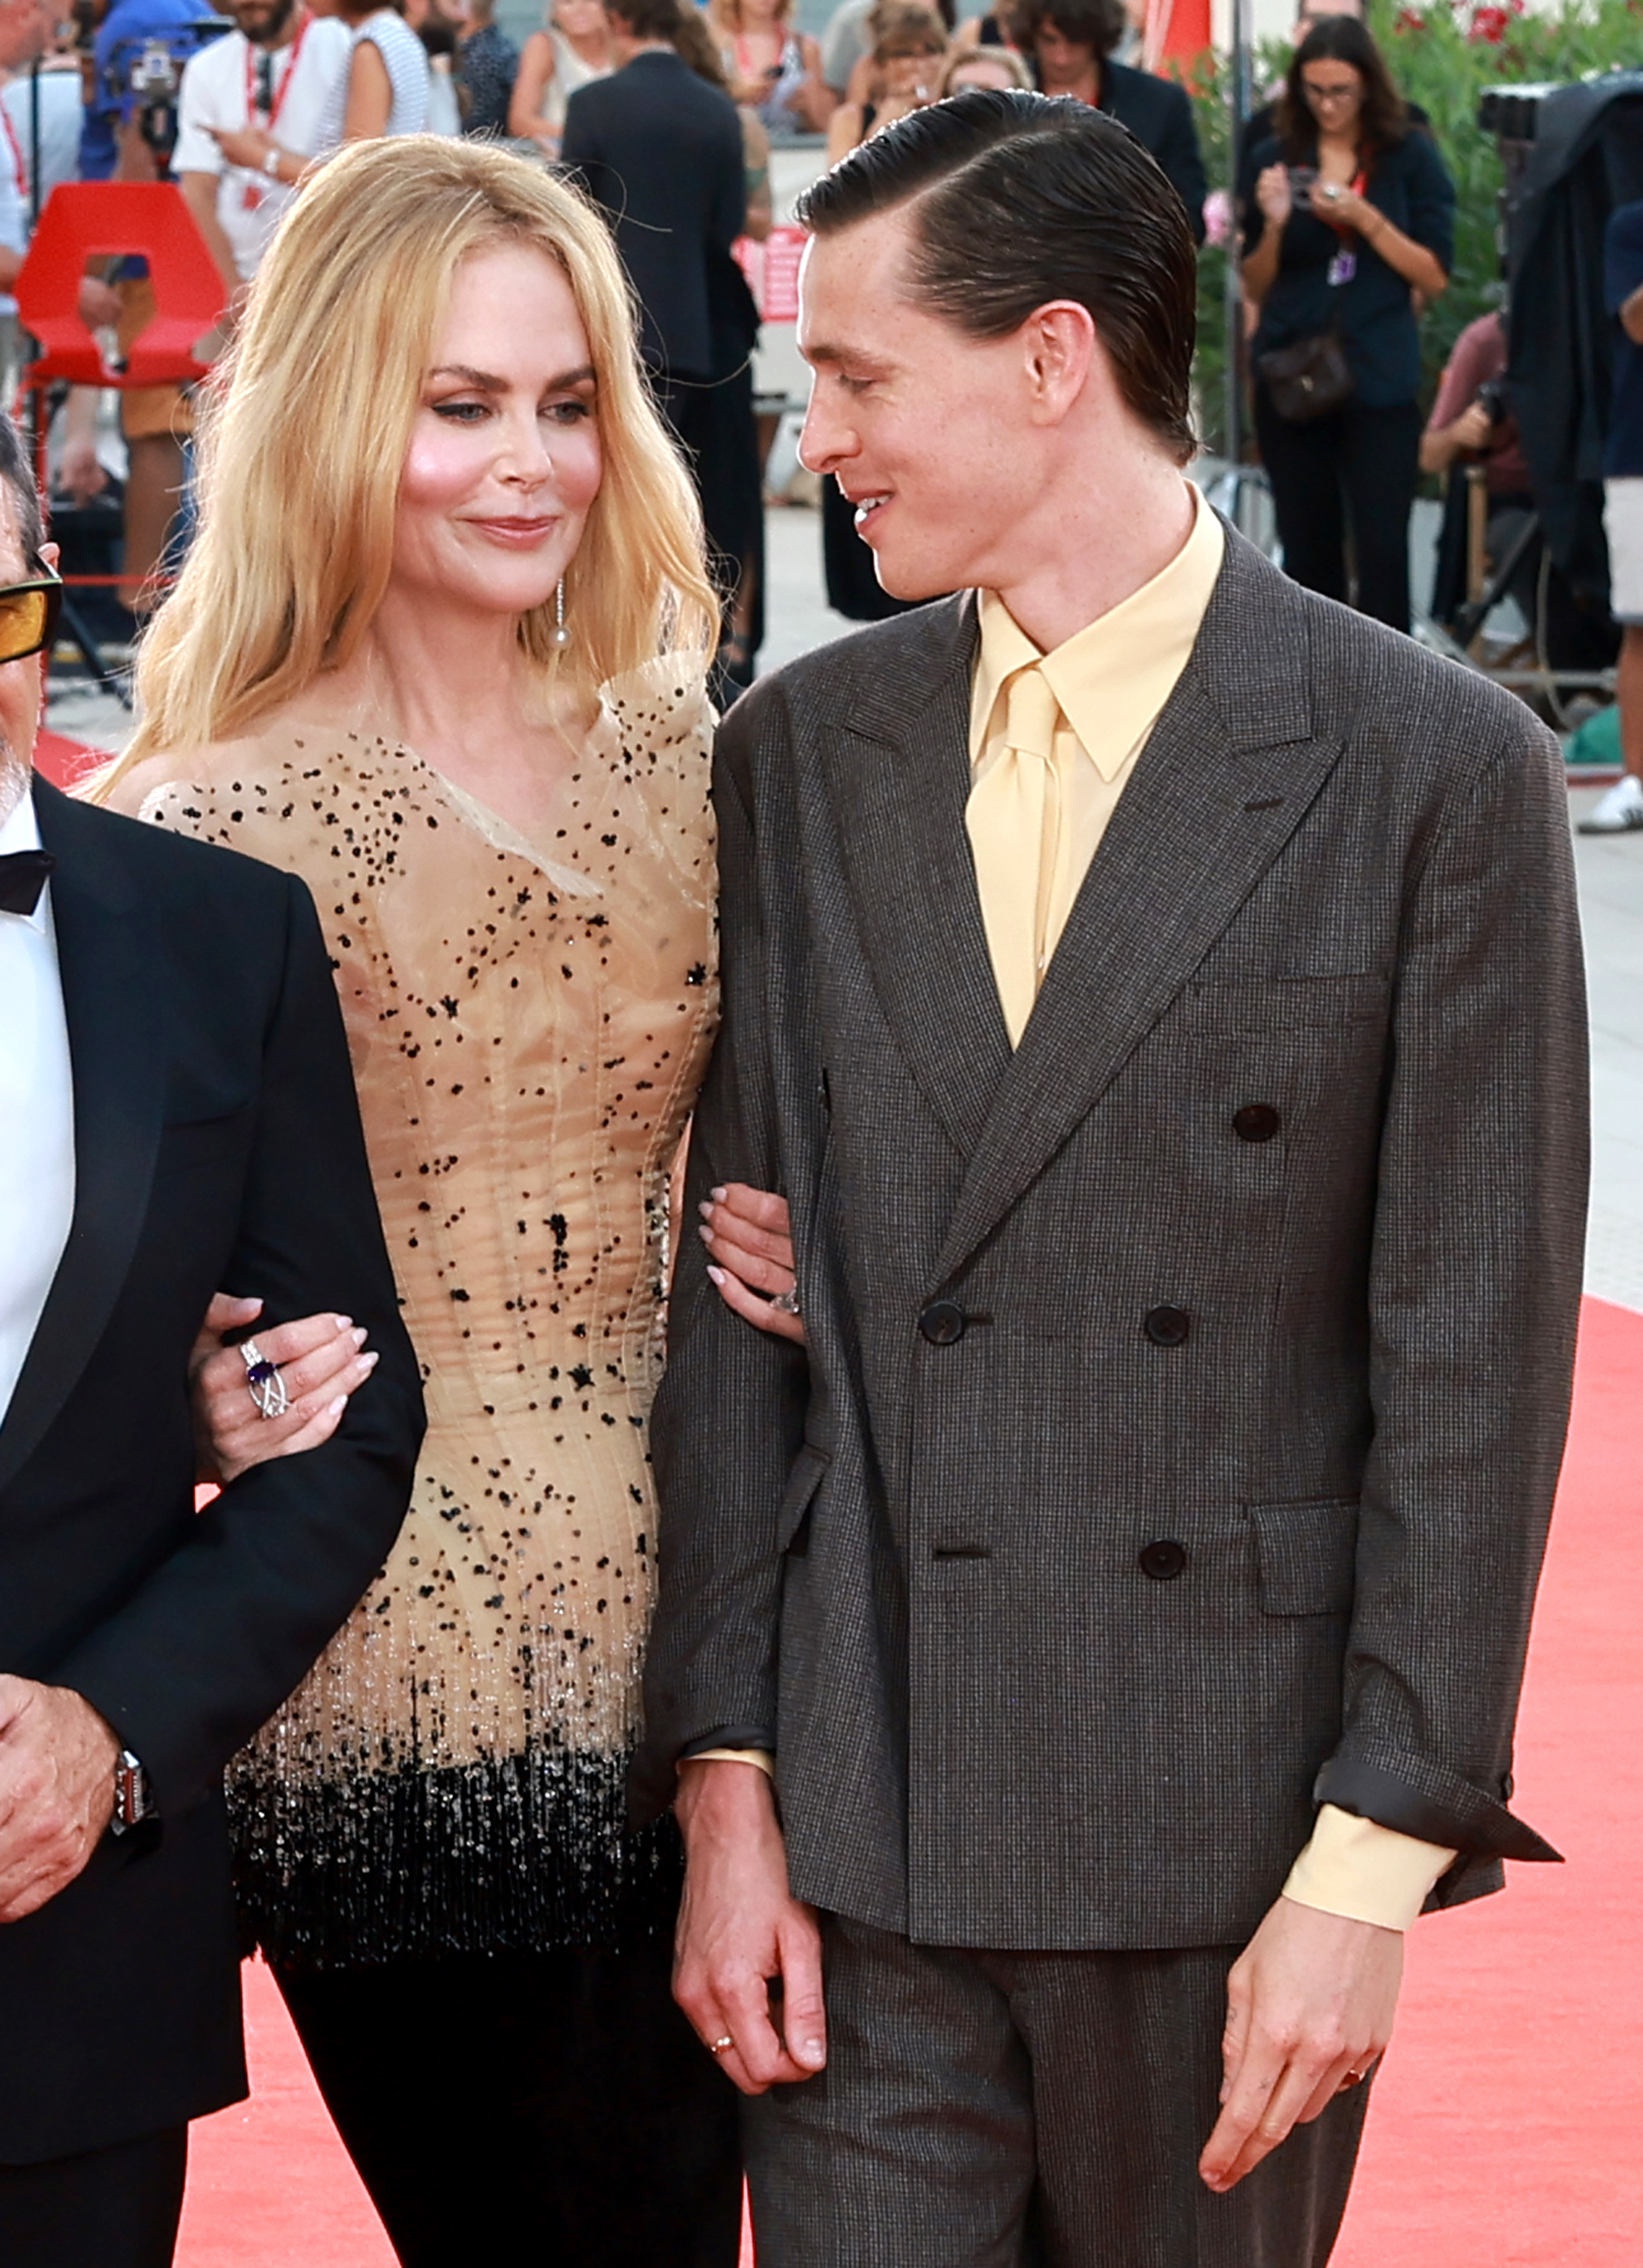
pixel 1218 218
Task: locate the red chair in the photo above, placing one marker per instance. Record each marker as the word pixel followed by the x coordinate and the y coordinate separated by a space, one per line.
pixel 92 220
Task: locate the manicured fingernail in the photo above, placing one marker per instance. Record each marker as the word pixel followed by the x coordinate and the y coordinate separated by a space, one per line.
pixel 715 1275
pixel 718 1196
pixel 335 1409
pixel 358 1335
pixel 704 1233
pixel 813 2051
pixel 342 1323
pixel 705 1209
pixel 370 1361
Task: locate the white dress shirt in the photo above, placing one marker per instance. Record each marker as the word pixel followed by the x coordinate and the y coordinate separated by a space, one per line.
pixel 36 1112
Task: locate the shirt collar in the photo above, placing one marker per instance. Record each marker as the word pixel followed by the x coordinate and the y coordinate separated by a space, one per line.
pixel 1108 675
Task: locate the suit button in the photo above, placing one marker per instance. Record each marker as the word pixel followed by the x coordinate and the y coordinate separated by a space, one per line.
pixel 1163 1561
pixel 1166 1326
pixel 943 1322
pixel 1257 1122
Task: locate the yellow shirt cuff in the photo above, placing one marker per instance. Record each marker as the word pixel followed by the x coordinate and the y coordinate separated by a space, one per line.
pixel 1364 1871
pixel 761 1759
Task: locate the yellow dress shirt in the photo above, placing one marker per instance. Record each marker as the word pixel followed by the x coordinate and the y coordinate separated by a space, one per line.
pixel 1054 738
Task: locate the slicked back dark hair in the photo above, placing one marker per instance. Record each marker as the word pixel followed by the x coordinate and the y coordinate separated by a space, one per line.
pixel 18 475
pixel 648 19
pixel 1022 198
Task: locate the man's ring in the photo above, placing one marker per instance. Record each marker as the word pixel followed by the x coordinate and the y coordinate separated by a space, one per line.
pixel 263 1382
pixel 722 2047
pixel 786 1303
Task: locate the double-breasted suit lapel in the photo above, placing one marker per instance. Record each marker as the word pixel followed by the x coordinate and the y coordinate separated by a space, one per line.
pixel 1226 777
pixel 899 783
pixel 106 966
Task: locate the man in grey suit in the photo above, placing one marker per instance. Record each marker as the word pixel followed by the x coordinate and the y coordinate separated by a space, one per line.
pixel 1157 991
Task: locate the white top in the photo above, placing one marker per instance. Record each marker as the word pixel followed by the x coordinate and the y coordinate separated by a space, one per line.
pixel 60 117
pixel 570 71
pixel 36 1112
pixel 215 82
pixel 406 60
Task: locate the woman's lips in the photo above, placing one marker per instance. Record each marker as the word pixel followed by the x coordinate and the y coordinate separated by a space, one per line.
pixel 518 534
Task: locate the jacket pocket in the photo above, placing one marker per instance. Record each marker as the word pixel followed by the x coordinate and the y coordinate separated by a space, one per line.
pixel 1306 1555
pixel 809 1472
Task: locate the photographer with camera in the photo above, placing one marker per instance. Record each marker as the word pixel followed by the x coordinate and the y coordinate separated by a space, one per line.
pixel 1471 423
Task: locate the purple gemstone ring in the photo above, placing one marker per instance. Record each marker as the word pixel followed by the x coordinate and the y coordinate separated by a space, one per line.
pixel 263 1382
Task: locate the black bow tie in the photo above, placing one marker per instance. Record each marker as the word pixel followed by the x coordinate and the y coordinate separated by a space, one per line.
pixel 23 876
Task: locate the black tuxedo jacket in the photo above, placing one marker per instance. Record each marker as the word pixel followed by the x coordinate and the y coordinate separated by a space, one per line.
pixel 661 152
pixel 218 1145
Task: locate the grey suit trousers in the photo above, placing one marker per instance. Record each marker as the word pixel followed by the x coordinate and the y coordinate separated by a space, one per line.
pixel 1028 2110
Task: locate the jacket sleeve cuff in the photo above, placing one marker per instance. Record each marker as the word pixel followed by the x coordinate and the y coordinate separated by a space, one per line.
pixel 1365 1872
pixel 1431 1804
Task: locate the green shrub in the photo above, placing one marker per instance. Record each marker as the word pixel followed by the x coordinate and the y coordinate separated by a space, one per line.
pixel 1442 57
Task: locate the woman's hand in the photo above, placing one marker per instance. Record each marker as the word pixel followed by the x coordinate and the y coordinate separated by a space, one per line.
pixel 1344 208
pixel 1273 195
pixel 751 1249
pixel 322 1360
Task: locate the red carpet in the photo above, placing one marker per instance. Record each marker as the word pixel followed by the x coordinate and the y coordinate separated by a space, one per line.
pixel 1508 2130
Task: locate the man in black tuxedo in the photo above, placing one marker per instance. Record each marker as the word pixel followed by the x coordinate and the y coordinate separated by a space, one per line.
pixel 178 1114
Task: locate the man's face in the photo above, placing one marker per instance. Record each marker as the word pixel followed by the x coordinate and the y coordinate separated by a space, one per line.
pixel 26 30
pixel 261 22
pixel 1062 61
pixel 20 681
pixel 926 430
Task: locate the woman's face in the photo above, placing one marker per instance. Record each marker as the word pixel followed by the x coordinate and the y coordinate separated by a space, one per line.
pixel 1335 94
pixel 504 457
pixel 982 72
pixel 580 19
pixel 911 77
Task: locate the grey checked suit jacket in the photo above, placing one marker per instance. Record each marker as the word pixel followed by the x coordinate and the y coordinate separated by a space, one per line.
pixel 1333 1366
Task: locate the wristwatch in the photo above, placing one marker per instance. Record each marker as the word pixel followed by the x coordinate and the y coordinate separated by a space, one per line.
pixel 133 1798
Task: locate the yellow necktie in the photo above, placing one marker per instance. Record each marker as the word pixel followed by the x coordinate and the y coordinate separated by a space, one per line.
pixel 1015 834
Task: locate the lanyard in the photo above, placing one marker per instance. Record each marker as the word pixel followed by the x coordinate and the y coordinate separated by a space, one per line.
pixel 286 76
pixel 17 153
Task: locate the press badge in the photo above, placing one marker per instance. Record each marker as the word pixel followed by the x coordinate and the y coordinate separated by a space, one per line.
pixel 1343 268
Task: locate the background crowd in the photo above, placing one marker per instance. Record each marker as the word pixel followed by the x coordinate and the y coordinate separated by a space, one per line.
pixel 1343 221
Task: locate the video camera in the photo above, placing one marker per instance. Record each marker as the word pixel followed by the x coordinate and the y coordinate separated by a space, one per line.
pixel 140 77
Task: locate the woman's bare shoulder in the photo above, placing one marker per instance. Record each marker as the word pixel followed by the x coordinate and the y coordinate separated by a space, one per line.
pixel 203 769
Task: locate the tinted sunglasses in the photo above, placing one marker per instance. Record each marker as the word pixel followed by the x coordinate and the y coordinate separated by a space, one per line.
pixel 28 615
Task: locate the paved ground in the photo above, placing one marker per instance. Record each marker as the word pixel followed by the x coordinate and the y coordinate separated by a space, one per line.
pixel 1611 898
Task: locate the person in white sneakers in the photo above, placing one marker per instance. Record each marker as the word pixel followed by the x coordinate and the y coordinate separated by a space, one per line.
pixel 1622 808
pixel 250 118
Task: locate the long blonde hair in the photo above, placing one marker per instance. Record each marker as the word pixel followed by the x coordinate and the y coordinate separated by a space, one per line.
pixel 309 418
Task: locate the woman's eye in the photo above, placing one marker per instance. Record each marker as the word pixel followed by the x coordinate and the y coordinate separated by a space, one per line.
pixel 568 413
pixel 461 413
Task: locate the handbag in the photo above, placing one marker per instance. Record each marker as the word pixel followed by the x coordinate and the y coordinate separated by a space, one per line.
pixel 1308 379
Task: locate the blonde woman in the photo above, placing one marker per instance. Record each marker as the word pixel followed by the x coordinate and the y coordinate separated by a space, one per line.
pixel 774 69
pixel 997 68
pixel 572 50
pixel 439 648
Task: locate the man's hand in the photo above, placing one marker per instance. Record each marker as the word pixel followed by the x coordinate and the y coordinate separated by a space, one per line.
pixel 57 1761
pixel 101 304
pixel 247 146
pixel 741 1929
pixel 1474 428
pixel 1309 2003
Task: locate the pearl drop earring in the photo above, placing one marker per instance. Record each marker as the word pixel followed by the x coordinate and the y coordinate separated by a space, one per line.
pixel 561 636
